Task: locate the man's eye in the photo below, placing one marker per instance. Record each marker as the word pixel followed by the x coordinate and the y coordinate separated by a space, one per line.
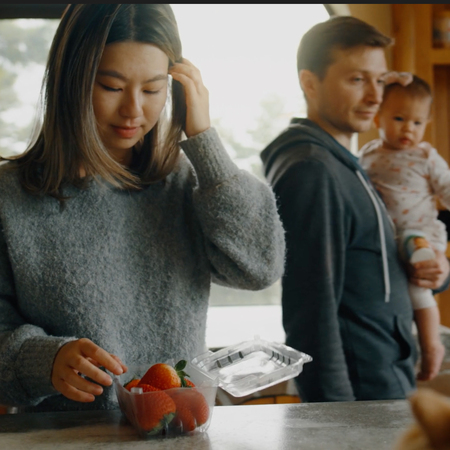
pixel 398 119
pixel 417 123
pixel 152 92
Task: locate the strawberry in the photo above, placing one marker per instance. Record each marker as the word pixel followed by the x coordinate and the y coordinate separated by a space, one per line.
pixel 148 388
pixel 164 376
pixel 134 382
pixel 154 411
pixel 192 408
pixel 189 383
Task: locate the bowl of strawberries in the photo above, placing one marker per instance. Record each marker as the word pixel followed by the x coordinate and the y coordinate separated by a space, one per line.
pixel 166 399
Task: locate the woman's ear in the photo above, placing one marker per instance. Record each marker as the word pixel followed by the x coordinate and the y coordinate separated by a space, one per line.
pixel 309 83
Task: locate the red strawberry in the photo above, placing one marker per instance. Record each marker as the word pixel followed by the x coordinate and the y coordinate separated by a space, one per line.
pixel 164 376
pixel 148 388
pixel 189 383
pixel 132 383
pixel 192 408
pixel 154 411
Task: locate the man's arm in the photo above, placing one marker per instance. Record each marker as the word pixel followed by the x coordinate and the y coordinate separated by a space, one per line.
pixel 312 212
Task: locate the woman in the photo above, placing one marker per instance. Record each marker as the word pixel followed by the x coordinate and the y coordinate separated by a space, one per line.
pixel 110 236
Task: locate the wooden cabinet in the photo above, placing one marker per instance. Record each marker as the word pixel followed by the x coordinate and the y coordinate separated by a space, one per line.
pixel 414 51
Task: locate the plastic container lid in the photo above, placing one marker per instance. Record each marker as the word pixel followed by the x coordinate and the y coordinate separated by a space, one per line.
pixel 251 366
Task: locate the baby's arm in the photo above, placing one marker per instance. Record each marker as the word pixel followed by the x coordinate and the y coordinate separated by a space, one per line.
pixel 439 173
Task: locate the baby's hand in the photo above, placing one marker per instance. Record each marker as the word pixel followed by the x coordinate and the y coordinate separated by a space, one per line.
pixel 83 357
pixel 403 78
pixel 431 361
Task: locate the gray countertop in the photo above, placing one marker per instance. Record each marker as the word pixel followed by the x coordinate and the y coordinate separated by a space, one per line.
pixel 315 426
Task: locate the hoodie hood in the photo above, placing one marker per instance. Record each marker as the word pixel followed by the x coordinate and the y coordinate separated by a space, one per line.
pixel 282 153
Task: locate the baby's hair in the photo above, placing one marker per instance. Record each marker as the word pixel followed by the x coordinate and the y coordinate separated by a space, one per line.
pixel 418 88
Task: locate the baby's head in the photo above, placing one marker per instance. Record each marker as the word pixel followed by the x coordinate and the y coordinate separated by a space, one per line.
pixel 404 114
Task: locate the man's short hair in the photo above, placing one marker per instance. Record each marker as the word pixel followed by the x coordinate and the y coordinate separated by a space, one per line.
pixel 418 88
pixel 315 52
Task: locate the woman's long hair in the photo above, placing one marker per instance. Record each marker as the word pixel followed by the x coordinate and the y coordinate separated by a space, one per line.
pixel 68 138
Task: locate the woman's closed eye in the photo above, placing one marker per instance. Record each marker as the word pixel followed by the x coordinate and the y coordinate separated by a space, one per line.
pixel 156 91
pixel 111 89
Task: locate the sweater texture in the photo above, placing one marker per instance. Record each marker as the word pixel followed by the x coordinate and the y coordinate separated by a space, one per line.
pixel 130 270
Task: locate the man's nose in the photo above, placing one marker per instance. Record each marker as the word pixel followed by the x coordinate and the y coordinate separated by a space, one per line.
pixel 374 92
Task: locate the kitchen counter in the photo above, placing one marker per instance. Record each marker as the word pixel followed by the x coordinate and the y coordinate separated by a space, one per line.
pixel 313 426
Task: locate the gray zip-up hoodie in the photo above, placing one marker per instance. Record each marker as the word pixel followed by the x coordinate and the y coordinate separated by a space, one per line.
pixel 345 298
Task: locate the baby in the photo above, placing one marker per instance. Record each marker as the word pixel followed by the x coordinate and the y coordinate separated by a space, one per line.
pixel 409 175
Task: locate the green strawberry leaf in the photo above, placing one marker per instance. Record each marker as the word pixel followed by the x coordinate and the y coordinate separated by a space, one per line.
pixel 180 365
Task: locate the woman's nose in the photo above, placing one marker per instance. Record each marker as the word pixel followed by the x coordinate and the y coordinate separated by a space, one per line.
pixel 131 105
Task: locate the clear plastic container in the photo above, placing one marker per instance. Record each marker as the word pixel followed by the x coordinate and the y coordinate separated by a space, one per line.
pixel 240 370
pixel 251 366
pixel 141 408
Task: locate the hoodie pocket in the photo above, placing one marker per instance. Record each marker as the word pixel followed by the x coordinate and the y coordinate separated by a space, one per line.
pixel 403 367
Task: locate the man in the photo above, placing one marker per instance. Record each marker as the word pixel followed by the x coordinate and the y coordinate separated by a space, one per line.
pixel 345 296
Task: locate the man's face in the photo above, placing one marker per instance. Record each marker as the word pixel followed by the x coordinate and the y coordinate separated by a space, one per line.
pixel 349 95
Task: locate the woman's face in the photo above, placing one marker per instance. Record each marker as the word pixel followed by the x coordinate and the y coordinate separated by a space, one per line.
pixel 130 91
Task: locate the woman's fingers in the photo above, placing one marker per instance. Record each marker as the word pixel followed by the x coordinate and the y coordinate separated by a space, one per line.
pixel 101 356
pixel 197 97
pixel 73 393
pixel 188 70
pixel 82 358
pixel 124 367
pixel 77 381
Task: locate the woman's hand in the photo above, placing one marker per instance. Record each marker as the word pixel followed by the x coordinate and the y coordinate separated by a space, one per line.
pixel 430 274
pixel 197 97
pixel 83 357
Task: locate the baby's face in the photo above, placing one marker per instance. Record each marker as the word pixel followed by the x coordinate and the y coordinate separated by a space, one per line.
pixel 402 120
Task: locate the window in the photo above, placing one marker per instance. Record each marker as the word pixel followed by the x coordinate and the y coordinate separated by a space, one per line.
pixel 247 57
pixel 24 45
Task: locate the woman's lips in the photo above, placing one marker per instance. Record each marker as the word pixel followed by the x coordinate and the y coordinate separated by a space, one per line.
pixel 126 132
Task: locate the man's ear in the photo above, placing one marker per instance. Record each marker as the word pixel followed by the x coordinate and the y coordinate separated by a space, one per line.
pixel 309 83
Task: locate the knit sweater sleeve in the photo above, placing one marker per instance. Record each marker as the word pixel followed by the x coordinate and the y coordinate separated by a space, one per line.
pixel 244 237
pixel 313 212
pixel 26 351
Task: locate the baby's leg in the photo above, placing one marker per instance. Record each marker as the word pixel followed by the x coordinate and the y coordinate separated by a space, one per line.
pixel 415 247
pixel 426 316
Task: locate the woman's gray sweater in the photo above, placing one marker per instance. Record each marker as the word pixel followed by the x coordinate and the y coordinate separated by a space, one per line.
pixel 130 270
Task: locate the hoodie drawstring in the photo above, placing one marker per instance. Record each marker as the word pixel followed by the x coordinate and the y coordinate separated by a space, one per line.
pixel 376 204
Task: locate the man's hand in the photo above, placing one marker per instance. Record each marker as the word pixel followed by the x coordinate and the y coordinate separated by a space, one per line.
pixel 430 274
